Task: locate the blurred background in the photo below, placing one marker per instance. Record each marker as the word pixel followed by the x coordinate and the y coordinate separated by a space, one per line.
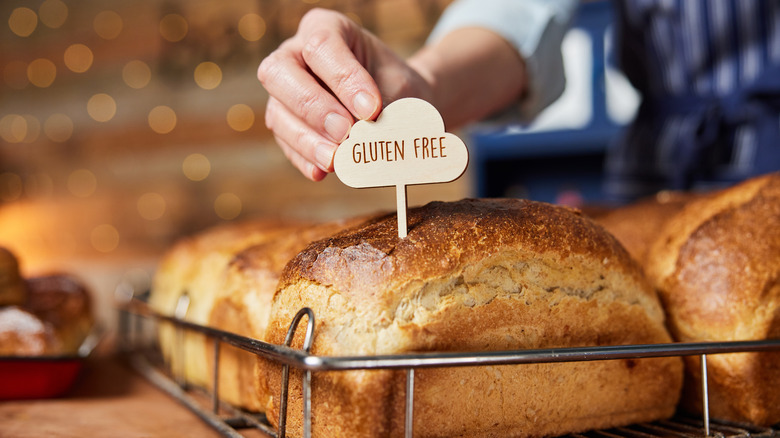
pixel 125 125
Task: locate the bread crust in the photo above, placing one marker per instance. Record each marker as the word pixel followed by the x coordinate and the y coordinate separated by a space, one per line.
pixel 195 266
pixel 717 268
pixel 243 305
pixel 476 275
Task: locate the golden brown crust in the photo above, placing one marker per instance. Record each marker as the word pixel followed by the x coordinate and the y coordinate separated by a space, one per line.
pixel 636 226
pixel 475 275
pixel 195 266
pixel 243 306
pixel 65 304
pixel 717 268
pixel 12 287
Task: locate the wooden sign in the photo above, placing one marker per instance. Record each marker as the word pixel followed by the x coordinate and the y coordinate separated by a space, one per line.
pixel 407 145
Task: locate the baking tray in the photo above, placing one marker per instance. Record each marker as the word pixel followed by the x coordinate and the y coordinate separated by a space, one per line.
pixel 308 363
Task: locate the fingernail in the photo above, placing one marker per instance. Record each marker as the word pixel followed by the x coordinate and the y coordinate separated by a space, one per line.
pixel 337 126
pixel 365 105
pixel 324 156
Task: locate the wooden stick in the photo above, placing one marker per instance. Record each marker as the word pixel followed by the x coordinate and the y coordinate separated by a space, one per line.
pixel 401 206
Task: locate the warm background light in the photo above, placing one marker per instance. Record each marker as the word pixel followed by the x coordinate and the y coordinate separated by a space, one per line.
pixel 82 183
pixel 58 128
pixel 15 75
pixel 151 206
pixel 53 13
pixel 251 27
pixel 196 167
pixel 227 206
pixel 208 75
pixel 173 27
pixel 78 58
pixel 104 238
pixel 240 117
pixel 162 119
pixel 13 128
pixel 10 187
pixel 108 25
pixel 101 107
pixel 136 74
pixel 41 72
pixel 23 21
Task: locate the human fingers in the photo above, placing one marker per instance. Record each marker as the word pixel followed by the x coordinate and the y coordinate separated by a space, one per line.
pixel 336 54
pixel 285 76
pixel 307 168
pixel 297 136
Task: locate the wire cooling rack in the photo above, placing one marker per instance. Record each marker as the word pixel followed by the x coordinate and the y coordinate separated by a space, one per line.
pixel 133 311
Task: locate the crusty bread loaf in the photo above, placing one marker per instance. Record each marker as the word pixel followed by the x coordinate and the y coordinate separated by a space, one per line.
pixel 717 268
pixel 65 303
pixel 24 334
pixel 195 266
pixel 243 306
pixel 12 287
pixel 636 226
pixel 474 275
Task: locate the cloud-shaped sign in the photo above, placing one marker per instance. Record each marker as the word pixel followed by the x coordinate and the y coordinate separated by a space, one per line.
pixel 406 145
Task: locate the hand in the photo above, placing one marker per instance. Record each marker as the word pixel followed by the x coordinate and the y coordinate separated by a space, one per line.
pixel 330 73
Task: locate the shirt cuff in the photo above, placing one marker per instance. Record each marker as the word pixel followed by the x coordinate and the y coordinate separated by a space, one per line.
pixel 534 27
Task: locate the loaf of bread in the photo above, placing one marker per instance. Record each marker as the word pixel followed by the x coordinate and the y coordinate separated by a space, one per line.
pixel 42 315
pixel 243 303
pixel 474 275
pixel 195 266
pixel 717 267
pixel 65 303
pixel 636 226
pixel 12 287
pixel 24 334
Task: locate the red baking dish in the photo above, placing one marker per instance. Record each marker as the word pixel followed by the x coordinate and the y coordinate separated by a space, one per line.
pixel 37 377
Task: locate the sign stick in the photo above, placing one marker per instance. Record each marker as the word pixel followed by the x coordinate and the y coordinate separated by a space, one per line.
pixel 401 206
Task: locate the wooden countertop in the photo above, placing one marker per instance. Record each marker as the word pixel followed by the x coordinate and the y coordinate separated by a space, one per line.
pixel 108 399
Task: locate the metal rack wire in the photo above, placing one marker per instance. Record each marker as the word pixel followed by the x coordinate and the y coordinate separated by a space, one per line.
pixel 133 311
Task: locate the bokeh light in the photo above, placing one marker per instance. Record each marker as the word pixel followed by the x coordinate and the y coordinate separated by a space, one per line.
pixel 82 183
pixel 78 58
pixel 19 128
pixel 162 119
pixel 53 13
pixel 107 24
pixel 15 75
pixel 208 75
pixel 10 186
pixel 136 74
pixel 39 185
pixel 33 128
pixel 151 206
pixel 23 21
pixel 251 27
pixel 173 27
pixel 104 238
pixel 240 117
pixel 58 128
pixel 227 206
pixel 101 107
pixel 13 128
pixel 196 167
pixel 41 72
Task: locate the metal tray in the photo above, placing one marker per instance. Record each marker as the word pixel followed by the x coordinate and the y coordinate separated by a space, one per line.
pixel 303 360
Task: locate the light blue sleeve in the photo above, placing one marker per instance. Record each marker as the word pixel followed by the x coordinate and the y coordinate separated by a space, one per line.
pixel 534 27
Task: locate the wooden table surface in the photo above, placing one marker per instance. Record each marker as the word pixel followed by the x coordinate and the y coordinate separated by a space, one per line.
pixel 109 399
